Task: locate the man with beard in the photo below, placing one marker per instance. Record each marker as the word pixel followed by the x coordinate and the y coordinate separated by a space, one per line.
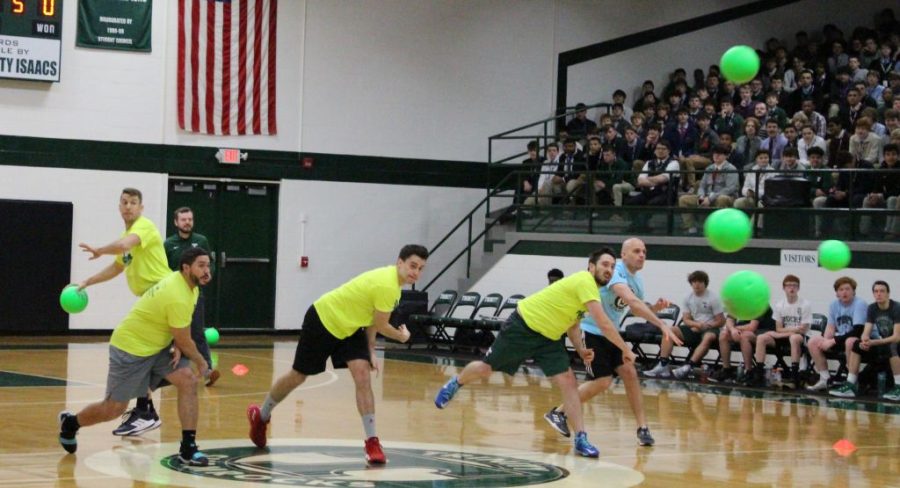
pixel 140 357
pixel 624 289
pixel 140 255
pixel 535 331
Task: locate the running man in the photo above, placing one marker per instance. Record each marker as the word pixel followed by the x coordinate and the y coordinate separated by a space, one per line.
pixel 139 253
pixel 625 289
pixel 535 331
pixel 140 357
pixel 342 324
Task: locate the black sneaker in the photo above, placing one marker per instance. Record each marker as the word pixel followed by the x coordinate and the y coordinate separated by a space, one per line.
pixel 137 422
pixel 756 378
pixel 644 437
pixel 192 456
pixel 557 420
pixel 67 438
pixel 723 375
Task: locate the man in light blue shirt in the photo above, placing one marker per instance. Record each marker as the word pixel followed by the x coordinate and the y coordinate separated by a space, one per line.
pixel 624 290
pixel 846 319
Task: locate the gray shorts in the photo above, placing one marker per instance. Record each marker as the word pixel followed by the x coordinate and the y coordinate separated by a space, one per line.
pixel 131 376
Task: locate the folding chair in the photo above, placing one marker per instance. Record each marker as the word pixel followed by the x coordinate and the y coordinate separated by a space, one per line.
pixel 508 307
pixel 489 306
pixel 439 309
pixel 820 321
pixel 463 311
pixel 639 332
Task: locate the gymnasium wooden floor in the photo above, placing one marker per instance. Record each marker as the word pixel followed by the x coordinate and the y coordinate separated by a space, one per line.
pixel 490 435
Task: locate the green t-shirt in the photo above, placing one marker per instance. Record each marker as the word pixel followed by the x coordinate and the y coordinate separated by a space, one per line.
pixel 175 246
pixel 145 264
pixel 551 311
pixel 353 304
pixel 145 331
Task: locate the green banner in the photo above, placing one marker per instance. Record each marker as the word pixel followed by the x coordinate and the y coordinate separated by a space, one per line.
pixel 115 24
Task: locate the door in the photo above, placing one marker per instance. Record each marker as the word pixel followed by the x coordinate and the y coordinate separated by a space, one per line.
pixel 240 220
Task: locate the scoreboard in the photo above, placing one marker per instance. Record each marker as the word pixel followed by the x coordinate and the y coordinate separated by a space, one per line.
pixel 30 39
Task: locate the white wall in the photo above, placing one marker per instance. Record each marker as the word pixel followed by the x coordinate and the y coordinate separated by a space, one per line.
pixel 424 79
pixel 516 273
pixel 354 227
pixel 96 221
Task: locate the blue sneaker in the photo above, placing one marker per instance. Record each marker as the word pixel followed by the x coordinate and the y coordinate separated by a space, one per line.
pixel 192 456
pixel 583 447
pixel 446 394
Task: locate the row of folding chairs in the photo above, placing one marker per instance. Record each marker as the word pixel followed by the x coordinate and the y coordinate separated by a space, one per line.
pixel 470 306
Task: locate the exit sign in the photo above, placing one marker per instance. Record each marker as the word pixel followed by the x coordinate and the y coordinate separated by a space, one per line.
pixel 230 156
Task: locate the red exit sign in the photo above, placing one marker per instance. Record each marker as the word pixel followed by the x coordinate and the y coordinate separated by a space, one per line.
pixel 230 156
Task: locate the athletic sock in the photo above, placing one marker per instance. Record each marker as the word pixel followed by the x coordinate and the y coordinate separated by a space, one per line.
pixel 144 403
pixel 795 367
pixel 369 424
pixel 851 378
pixel 70 424
pixel 823 374
pixel 897 380
pixel 265 412
pixel 188 440
pixel 664 361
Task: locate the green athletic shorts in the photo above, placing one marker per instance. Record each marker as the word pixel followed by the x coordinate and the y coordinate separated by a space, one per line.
pixel 517 342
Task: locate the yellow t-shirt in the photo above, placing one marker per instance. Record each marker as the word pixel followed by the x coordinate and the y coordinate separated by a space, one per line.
pixel 145 330
pixel 353 304
pixel 551 311
pixel 146 263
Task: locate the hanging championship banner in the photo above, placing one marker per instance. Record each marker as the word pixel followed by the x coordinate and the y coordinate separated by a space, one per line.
pixel 115 24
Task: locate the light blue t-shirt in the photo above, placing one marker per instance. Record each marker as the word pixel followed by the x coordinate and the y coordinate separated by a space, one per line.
pixel 612 304
pixel 845 317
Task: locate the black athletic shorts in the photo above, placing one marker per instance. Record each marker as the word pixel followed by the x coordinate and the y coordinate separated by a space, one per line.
pixel 875 353
pixel 316 345
pixel 839 341
pixel 607 356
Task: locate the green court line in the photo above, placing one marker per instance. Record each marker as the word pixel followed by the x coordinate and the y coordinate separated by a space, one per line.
pixel 12 379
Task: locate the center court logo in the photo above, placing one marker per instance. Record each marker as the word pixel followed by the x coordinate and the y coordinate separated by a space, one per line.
pixel 344 466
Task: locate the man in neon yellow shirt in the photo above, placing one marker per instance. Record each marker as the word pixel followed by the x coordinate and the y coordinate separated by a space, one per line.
pixel 536 329
pixel 343 324
pixel 139 251
pixel 140 254
pixel 139 357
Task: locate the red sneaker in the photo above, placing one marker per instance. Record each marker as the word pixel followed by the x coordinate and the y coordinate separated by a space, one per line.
pixel 374 453
pixel 257 426
pixel 213 377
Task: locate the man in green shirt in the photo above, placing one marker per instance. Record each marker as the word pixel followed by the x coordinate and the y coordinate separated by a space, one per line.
pixel 535 330
pixel 175 245
pixel 140 358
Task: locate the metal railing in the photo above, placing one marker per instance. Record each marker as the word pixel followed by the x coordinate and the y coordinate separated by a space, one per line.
pixel 470 240
pixel 577 205
pixel 500 188
pixel 543 137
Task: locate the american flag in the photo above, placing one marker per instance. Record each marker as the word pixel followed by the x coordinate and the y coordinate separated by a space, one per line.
pixel 226 66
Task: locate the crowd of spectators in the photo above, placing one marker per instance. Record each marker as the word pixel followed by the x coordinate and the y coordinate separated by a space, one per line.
pixel 706 142
pixel 853 331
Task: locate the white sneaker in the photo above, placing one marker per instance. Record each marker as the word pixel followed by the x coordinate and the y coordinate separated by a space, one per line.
pixel 682 371
pixel 659 371
pixel 820 385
